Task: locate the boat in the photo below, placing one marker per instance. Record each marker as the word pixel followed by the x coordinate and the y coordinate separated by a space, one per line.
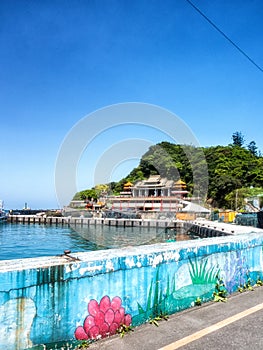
pixel 3 214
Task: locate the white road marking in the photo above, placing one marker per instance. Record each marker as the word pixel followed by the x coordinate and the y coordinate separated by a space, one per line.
pixel 203 332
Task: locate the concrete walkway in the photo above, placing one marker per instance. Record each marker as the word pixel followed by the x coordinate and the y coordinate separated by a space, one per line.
pixel 236 324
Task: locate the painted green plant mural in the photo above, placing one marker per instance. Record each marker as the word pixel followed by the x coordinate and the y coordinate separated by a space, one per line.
pixel 200 274
pixel 163 301
pixel 155 298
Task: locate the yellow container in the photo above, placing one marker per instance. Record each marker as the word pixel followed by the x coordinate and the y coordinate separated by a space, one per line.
pixel 185 216
pixel 227 216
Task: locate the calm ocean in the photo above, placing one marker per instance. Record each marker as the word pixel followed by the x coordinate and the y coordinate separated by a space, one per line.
pixel 32 240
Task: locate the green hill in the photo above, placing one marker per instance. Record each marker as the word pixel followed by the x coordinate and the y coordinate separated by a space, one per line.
pixel 229 168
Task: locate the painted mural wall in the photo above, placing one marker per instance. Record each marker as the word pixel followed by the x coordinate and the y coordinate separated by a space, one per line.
pixel 49 300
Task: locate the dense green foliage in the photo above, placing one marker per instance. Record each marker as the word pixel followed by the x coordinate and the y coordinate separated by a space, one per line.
pixel 230 168
pixel 230 171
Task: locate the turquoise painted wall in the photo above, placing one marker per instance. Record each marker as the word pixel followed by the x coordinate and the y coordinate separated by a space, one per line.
pixel 48 300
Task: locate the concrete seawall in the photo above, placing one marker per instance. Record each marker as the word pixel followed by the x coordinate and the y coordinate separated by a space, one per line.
pixel 77 296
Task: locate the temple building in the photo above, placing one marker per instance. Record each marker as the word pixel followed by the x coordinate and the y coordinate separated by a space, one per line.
pixel 150 196
pixel 155 193
pixel 156 186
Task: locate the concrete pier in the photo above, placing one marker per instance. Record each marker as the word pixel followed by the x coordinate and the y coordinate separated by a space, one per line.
pixel 63 220
pixel 200 227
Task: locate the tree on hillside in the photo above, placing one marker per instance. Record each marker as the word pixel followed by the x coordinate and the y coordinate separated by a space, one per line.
pixel 101 189
pixel 86 194
pixel 253 148
pixel 238 139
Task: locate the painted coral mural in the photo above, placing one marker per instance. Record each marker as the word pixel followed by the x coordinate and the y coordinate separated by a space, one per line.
pixel 104 319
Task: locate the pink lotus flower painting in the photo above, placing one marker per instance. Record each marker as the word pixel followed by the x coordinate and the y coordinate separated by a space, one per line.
pixel 104 319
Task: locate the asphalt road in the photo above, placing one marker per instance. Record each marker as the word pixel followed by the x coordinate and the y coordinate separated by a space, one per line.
pixel 236 324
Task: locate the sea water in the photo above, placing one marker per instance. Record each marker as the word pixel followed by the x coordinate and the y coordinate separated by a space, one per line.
pixel 18 240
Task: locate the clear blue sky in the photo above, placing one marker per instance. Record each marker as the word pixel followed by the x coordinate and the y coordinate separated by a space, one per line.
pixel 61 60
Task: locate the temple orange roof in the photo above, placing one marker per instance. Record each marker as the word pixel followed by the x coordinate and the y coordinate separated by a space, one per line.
pixel 180 182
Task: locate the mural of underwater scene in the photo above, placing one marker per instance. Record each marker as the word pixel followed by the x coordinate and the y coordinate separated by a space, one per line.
pixel 193 279
pixel 202 278
pixel 85 300
pixel 168 292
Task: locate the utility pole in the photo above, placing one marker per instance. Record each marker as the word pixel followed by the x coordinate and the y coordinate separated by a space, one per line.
pixel 236 198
